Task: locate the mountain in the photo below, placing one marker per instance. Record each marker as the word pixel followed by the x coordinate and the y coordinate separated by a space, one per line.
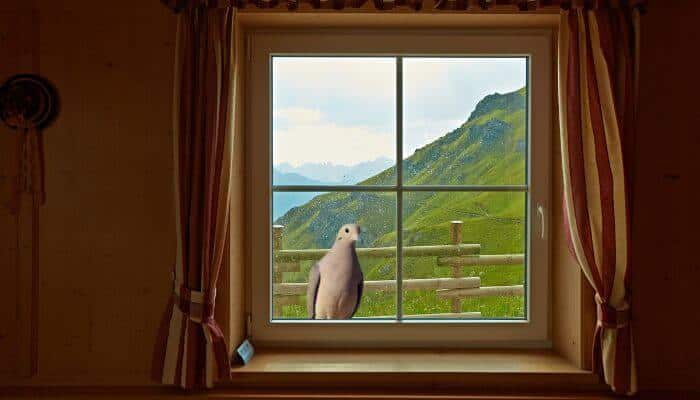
pixel 282 202
pixel 336 173
pixel 488 149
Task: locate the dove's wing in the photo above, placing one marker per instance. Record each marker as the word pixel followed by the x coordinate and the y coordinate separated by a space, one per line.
pixel 312 290
pixel 360 286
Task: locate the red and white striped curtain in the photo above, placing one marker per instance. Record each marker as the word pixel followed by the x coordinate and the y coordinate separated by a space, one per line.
pixel 598 69
pixel 190 349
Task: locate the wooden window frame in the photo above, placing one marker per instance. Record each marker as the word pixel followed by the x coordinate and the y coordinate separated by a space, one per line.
pixel 532 43
pixel 572 309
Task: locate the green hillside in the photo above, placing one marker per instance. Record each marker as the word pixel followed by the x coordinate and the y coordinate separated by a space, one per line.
pixel 488 149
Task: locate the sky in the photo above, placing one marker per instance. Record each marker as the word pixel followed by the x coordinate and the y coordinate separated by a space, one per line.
pixel 341 110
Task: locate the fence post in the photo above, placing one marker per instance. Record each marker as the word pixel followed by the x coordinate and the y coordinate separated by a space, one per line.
pixel 276 272
pixel 456 238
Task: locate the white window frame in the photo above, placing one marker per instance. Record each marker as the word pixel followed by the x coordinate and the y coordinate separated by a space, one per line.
pixel 531 332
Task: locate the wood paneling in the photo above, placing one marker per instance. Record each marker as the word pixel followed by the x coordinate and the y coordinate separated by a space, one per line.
pixel 18 53
pixel 107 233
pixel 666 196
pixel 107 242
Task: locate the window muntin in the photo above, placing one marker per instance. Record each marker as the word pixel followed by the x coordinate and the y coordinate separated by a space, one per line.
pixel 319 120
pixel 530 331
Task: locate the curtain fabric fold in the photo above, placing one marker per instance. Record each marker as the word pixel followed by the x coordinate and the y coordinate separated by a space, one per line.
pixel 190 349
pixel 598 68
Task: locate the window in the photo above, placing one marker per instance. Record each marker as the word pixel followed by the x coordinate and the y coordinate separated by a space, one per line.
pixel 453 242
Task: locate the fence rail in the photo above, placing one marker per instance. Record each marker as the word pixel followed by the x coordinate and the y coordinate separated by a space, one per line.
pixel 483 259
pixel 469 314
pixel 455 288
pixel 292 289
pixel 382 252
pixel 483 291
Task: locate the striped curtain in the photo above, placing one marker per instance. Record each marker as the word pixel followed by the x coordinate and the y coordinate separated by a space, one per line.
pixel 190 349
pixel 598 69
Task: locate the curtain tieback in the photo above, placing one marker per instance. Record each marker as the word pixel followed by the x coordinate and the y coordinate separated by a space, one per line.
pixel 610 317
pixel 197 305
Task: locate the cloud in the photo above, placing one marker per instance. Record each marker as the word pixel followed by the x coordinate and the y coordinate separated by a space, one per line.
pixel 450 88
pixel 341 109
pixel 298 115
pixel 303 135
pixel 490 73
pixel 372 78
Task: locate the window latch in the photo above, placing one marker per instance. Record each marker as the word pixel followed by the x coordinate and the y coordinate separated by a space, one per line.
pixel 540 211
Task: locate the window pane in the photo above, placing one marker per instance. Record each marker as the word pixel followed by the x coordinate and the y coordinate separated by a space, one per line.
pixel 494 276
pixel 333 120
pixel 314 226
pixel 465 121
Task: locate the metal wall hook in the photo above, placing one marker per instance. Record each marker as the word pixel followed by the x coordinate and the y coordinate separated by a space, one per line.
pixel 28 102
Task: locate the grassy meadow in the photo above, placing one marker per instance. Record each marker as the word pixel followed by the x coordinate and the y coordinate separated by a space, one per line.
pixel 488 149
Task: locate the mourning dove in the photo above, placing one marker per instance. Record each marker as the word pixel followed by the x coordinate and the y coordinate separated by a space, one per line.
pixel 335 282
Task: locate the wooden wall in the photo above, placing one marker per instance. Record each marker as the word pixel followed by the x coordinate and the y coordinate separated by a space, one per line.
pixel 106 237
pixel 666 216
pixel 17 53
pixel 106 234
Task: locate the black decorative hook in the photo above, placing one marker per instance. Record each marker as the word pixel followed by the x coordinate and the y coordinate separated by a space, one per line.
pixel 28 101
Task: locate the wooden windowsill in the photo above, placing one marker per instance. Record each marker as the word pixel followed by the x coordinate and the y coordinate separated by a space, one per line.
pixel 414 370
pixel 413 361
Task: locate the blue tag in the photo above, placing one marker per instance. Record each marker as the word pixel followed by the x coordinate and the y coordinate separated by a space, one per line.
pixel 245 352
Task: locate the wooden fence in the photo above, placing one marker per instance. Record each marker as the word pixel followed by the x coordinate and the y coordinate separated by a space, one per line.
pixel 455 288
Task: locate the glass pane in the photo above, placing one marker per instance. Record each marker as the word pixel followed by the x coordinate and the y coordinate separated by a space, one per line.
pixel 492 277
pixel 465 121
pixel 314 226
pixel 333 120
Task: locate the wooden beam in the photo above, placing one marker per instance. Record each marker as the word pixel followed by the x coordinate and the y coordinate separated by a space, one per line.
pixel 288 266
pixel 486 291
pixel 383 252
pixel 456 239
pixel 470 315
pixel 293 289
pixel 276 271
pixel 287 301
pixel 482 259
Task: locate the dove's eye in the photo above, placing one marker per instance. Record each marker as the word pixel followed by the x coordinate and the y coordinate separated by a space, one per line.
pixel 347 230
